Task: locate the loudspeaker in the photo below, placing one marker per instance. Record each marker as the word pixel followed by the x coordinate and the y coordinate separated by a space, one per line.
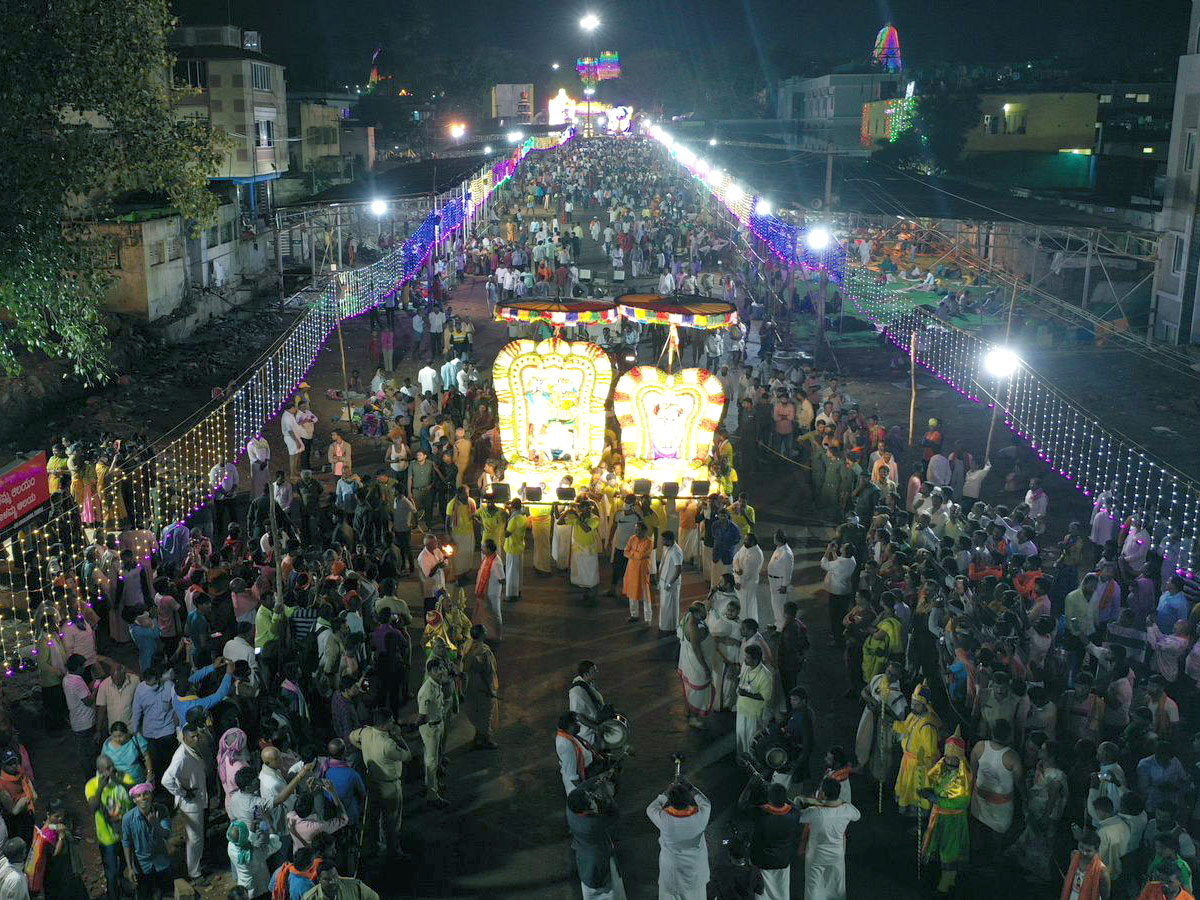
pixel 498 491
pixel 701 488
pixel 670 489
pixel 565 493
pixel 641 487
pixel 533 493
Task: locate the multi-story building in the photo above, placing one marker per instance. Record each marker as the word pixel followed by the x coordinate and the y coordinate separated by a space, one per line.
pixel 1132 139
pixel 1173 314
pixel 242 94
pixel 828 110
pixel 314 135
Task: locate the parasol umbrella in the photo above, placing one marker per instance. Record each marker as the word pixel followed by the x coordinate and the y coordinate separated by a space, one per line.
pixel 677 311
pixel 558 313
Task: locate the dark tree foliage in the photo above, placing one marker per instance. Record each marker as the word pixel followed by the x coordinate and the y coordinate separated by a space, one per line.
pixel 87 115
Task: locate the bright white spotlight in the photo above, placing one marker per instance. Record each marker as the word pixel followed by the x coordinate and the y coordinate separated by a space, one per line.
pixel 1001 362
pixel 763 207
pixel 554 66
pixel 702 166
pixel 378 207
pixel 487 150
pixel 515 137
pixel 684 155
pixel 457 130
pixel 590 22
pixel 715 178
pixel 712 142
pixel 818 238
pixel 589 91
pixel 734 193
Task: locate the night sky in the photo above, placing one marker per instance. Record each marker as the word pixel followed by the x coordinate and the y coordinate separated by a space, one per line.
pixel 793 34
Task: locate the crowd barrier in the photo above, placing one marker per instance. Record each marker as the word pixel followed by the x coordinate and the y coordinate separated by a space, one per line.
pixel 133 508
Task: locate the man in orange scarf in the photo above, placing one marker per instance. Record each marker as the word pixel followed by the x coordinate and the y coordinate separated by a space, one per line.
pixel 489 590
pixel 1087 876
pixel 296 878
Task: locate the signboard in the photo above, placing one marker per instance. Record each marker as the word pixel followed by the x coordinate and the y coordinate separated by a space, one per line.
pixel 23 488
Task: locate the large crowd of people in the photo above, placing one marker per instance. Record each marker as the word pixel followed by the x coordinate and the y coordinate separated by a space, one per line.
pixel 259 684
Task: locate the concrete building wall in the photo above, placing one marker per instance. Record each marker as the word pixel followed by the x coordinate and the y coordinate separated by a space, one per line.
pixel 1043 123
pixel 1174 317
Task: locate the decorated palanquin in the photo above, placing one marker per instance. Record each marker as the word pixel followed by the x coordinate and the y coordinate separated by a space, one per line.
pixel 667 424
pixel 550 397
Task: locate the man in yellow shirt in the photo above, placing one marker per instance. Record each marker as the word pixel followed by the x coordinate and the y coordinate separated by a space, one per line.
pixel 755 688
pixel 460 522
pixel 514 549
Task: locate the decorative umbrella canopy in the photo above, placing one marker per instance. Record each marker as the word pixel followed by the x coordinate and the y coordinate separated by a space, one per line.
pixel 558 312
pixel 688 312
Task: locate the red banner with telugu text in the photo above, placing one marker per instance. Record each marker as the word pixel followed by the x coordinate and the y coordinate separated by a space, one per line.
pixel 23 488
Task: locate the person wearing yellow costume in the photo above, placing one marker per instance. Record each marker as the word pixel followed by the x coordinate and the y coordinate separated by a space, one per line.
pixel 492 519
pixel 541 524
pixel 108 487
pixel 918 735
pixel 885 641
pixel 742 514
pixel 58 473
pixel 722 448
pixel 725 475
pixel 560 542
pixel 689 533
pixel 585 548
pixel 658 519
pixel 515 536
pixel 948 836
pixel 460 522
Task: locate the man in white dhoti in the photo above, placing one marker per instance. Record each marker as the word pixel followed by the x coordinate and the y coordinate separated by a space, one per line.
pixel 670 584
pixel 695 665
pixel 779 575
pixel 825 854
pixel 681 815
pixel 723 594
pixel 258 454
pixel 515 537
pixel 593 826
pixel 489 590
pixel 774 836
pixel 574 754
pixel 585 700
pixel 726 632
pixel 747 568
pixel 584 525
pixel 754 694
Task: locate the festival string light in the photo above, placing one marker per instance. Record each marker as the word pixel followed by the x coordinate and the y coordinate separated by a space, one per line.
pixel 173 485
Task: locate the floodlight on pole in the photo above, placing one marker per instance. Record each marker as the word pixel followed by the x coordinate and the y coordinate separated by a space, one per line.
pixel 378 207
pixel 554 66
pixel 1000 362
pixel 487 150
pixel 712 142
pixel 590 22
pixel 818 238
pixel 763 206
pixel 515 137
pixel 457 130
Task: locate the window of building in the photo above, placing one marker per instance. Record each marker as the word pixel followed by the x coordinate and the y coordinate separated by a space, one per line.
pixel 1106 98
pixel 1189 152
pixel 1131 96
pixel 158 253
pixel 174 248
pixel 210 237
pixel 192 72
pixel 227 232
pixel 264 133
pixel 1177 256
pixel 260 76
pixel 1143 98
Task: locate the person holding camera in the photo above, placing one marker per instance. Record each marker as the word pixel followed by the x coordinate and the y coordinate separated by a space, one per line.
pixel 592 818
pixel 681 814
pixel 774 835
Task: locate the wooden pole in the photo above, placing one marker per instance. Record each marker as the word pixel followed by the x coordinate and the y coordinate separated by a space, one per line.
pixel 912 405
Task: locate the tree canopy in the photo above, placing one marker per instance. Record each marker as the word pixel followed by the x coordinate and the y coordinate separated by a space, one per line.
pixel 935 142
pixel 87 116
